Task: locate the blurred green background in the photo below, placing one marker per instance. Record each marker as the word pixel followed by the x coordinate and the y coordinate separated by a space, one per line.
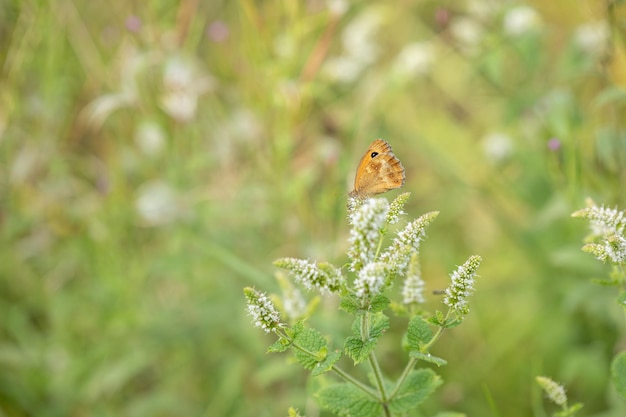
pixel 156 157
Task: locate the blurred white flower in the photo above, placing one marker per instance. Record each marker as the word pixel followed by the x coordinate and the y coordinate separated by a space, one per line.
pixel 468 32
pixel 359 44
pixel 414 59
pixel 157 203
pixel 520 20
pixel 592 37
pixel 483 9
pixel 359 36
pixel 497 146
pixel 338 7
pixel 150 138
pixel 342 69
pixel 182 85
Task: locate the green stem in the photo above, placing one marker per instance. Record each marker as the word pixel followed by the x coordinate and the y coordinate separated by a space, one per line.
pixel 356 382
pixel 409 366
pixel 405 373
pixel 336 369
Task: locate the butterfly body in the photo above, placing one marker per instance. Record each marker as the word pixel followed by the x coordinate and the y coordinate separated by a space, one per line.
pixel 379 171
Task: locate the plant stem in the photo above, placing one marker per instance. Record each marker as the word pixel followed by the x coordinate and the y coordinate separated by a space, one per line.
pixel 349 378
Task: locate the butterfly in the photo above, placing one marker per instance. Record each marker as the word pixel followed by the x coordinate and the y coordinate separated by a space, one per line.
pixel 379 171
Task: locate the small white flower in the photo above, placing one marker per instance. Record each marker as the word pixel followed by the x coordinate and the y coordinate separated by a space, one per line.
pixel 554 391
pixel 468 32
pixel 593 37
pixel 497 146
pixel 182 85
pixel 157 203
pixel 413 288
pixel 370 280
pixel 462 285
pixel 260 307
pixel 415 59
pixel 604 221
pixel 520 20
pixel 150 138
pixel 367 222
pixel 323 276
pixel 407 243
pixel 294 303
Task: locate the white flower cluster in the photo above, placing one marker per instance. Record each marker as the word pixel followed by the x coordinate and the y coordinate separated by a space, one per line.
pixel 407 243
pixel 370 280
pixel 608 227
pixel 260 307
pixel 413 288
pixel 554 391
pixel 368 221
pixel 323 276
pixel 462 285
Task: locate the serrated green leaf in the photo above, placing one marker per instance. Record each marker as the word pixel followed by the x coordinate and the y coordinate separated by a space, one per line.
pixel 380 324
pixel 347 400
pixel 313 342
pixel 357 349
pixel 379 303
pixel 416 388
pixel 280 345
pixel 453 322
pixel 427 357
pixel 349 304
pixel 327 363
pixel 418 333
pixel 618 373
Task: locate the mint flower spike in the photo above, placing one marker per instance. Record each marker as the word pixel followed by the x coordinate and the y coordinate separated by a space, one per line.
pixel 260 307
pixel 462 286
pixel 323 276
pixel 370 280
pixel 554 391
pixel 396 209
pixel 368 222
pixel 604 221
pixel 413 287
pixel 612 249
pixel 608 226
pixel 407 243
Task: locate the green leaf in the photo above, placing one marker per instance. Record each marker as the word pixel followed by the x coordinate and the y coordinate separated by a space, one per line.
pixel 357 349
pixel 314 343
pixel 380 324
pixel 418 334
pixel 427 357
pixel 349 304
pixel 327 363
pixel 379 303
pixel 280 345
pixel 347 400
pixel 618 373
pixel 416 388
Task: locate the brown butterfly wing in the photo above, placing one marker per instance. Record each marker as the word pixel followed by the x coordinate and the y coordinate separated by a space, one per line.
pixel 379 171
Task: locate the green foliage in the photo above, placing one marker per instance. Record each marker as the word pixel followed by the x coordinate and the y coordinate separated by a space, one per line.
pixel 618 373
pixel 347 400
pixel 416 388
pixel 155 155
pixel 419 334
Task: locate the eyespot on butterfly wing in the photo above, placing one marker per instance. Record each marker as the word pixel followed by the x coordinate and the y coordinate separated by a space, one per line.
pixel 379 171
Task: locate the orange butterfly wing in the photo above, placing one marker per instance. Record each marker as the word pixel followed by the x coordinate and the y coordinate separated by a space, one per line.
pixel 379 171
